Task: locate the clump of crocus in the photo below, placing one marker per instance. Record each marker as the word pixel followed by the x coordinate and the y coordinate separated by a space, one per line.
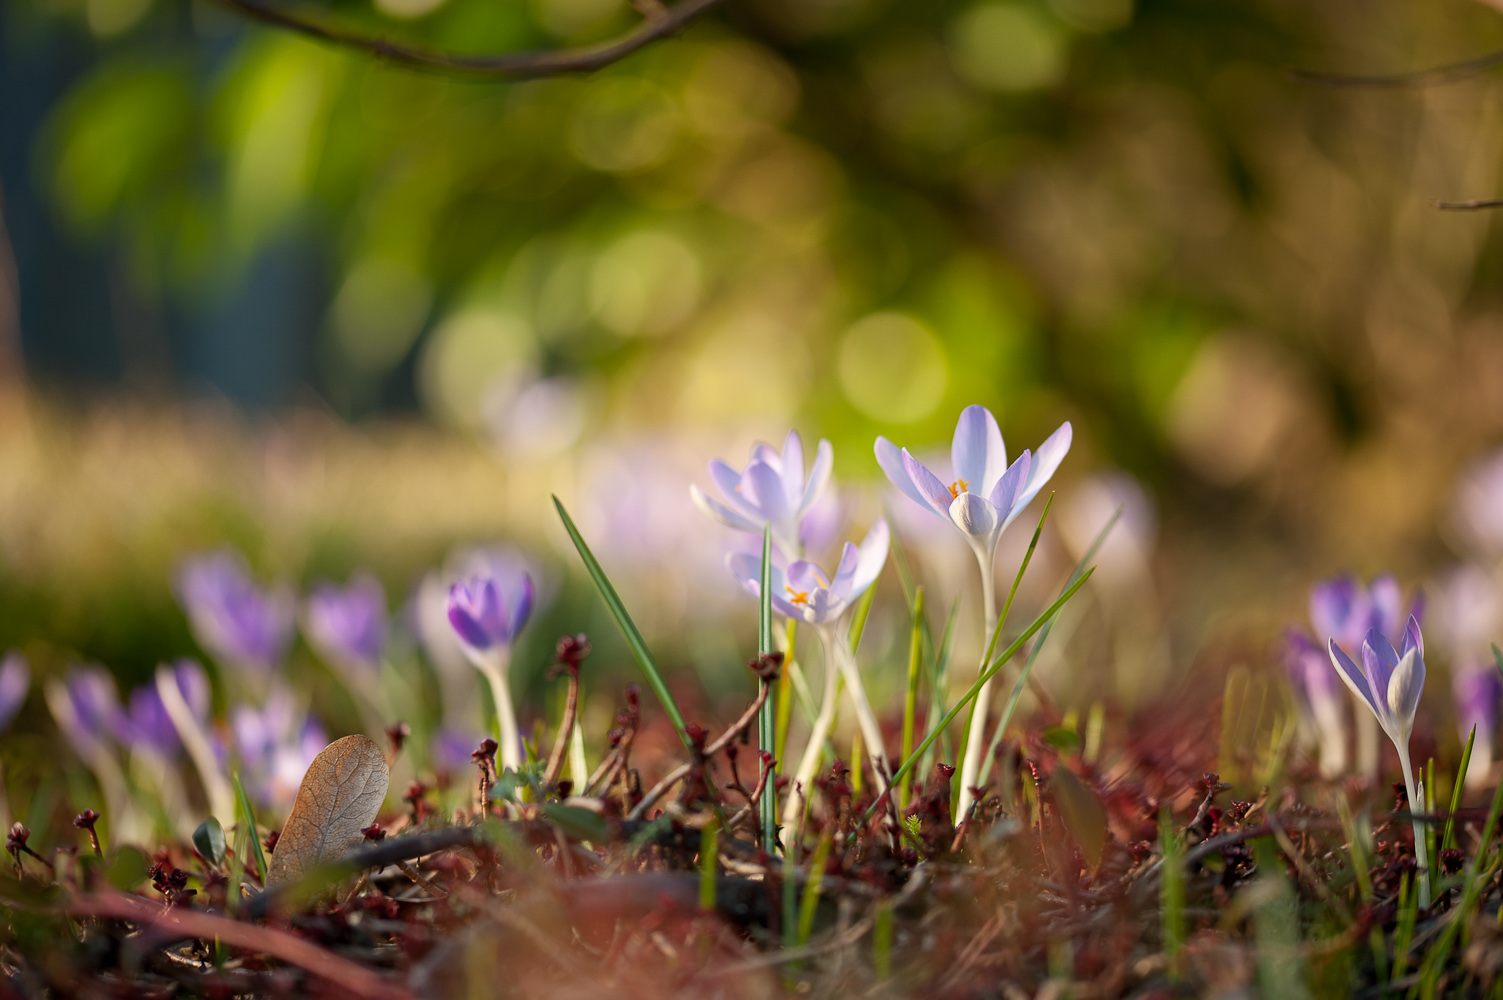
pixel 804 592
pixel 1390 683
pixel 487 610
pixel 276 743
pixel 1469 611
pixel 1344 610
pixel 981 496
pixel 771 491
pixel 1477 690
pixel 241 624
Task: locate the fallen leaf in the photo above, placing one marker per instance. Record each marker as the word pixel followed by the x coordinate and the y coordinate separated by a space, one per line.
pixel 1082 812
pixel 340 796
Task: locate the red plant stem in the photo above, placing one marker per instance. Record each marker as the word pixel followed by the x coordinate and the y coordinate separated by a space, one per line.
pixel 340 972
pixel 677 774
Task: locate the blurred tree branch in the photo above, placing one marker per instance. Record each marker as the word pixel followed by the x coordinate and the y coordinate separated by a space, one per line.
pixel 658 22
pixel 1474 205
pixel 1435 76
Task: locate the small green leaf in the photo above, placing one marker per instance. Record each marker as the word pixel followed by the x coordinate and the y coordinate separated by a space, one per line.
pixel 247 821
pixel 128 868
pixel 1062 739
pixel 208 840
pixel 1083 814
pixel 578 823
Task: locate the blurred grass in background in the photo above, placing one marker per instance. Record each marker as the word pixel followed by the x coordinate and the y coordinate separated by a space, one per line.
pixel 441 300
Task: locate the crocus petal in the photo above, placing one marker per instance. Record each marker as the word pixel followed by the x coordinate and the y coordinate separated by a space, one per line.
pixel 873 557
pixel 763 488
pixel 936 494
pixel 722 513
pixel 891 461
pixel 1354 678
pixel 793 470
pixel 1412 637
pixel 1333 606
pixel 819 475
pixel 1004 495
pixel 728 481
pixel 845 573
pixel 1385 599
pixel 977 453
pixel 520 606
pixel 463 607
pixel 1379 659
pixel 1045 461
pixel 806 576
pixel 15 679
pixel 972 514
pixel 1404 689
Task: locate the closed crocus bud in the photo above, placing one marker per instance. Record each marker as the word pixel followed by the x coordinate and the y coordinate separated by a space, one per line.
pixel 348 624
pixel 488 611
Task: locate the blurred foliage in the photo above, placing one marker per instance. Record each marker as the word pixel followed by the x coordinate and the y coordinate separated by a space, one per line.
pixel 850 215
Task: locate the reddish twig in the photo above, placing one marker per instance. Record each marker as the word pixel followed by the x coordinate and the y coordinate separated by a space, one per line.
pixel 511 65
pixel 326 965
pixel 676 775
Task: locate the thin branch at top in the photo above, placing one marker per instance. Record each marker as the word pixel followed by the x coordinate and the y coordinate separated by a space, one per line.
pixel 1436 76
pixel 1476 204
pixel 511 65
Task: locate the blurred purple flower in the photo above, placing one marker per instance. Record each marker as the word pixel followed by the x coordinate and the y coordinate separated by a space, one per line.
pixel 984 494
pixel 489 609
pixel 232 618
pixel 1479 503
pixel 1478 690
pixel 1344 610
pixel 450 748
pixel 15 681
pixel 95 701
pixel 145 724
pixel 348 624
pixel 772 490
pixel 805 592
pixel 276 745
pixel 1318 692
pixel 193 684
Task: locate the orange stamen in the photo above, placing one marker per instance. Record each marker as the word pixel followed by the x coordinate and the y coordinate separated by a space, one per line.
pixel 797 596
pixel 958 487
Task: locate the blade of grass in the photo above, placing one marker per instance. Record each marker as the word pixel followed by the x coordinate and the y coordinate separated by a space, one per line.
pixel 709 865
pixel 810 902
pixel 767 717
pixel 938 685
pixel 1171 891
pixel 785 694
pixel 1449 840
pixel 248 817
pixel 985 675
pixel 628 628
pixel 910 698
pixel 858 617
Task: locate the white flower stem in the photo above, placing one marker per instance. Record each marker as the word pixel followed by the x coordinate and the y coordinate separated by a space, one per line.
pixel 798 793
pixel 1416 805
pixel 191 734
pixel 493 664
pixel 1330 735
pixel 975 743
pixel 836 638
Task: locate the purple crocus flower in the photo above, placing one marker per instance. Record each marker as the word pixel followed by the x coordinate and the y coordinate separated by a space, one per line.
pixel 982 494
pixel 1344 610
pixel 805 592
pixel 771 491
pixel 1390 683
pixel 488 610
pixel 15 681
pixel 276 744
pixel 450 748
pixel 233 618
pixel 95 701
pixel 1479 503
pixel 1478 690
pixel 146 725
pixel 349 624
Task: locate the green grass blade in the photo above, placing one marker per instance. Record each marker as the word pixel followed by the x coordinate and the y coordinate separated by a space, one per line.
pixel 709 865
pixel 939 684
pixel 1171 891
pixel 248 817
pixel 910 698
pixel 1449 840
pixel 810 902
pixel 1033 654
pixel 767 717
pixel 628 628
pixel 785 695
pixel 858 617
pixel 975 688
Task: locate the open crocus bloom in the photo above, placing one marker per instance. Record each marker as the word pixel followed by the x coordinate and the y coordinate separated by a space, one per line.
pixel 805 592
pixel 231 616
pixel 771 490
pixel 984 493
pixel 1390 681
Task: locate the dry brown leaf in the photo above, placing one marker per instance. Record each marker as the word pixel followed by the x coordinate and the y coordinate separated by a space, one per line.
pixel 340 796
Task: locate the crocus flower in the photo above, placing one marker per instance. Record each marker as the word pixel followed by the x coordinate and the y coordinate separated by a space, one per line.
pixel 981 496
pixel 145 724
pixel 233 618
pixel 348 624
pixel 1344 610
pixel 772 490
pixel 87 709
pixel 276 744
pixel 15 681
pixel 1479 504
pixel 183 690
pixel 1320 698
pixel 805 592
pixel 487 611
pixel 1477 690
pixel 1390 683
